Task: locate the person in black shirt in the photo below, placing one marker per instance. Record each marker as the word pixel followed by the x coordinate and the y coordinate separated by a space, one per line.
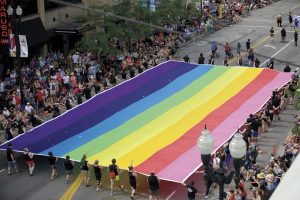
pixel 68 104
pixel 132 180
pixel 11 159
pixel 270 64
pixel 29 161
pixel 87 92
pixel 69 166
pixel 256 63
pixel 52 160
pixel 85 170
pixel 113 173
pixel 283 35
pixel 186 59
pixel 287 68
pixel 201 59
pixel 276 106
pixel 153 183
pixel 248 45
pixel 98 174
pixel 192 191
pixel 296 37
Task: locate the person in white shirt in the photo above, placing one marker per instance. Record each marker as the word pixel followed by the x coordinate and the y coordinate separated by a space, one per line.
pixel 75 58
pixel 6 112
pixel 29 108
pixel 66 79
pixel 2 86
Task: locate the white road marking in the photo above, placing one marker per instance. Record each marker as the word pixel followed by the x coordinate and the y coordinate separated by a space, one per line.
pixel 268 45
pixel 2 170
pixel 277 52
pixel 169 197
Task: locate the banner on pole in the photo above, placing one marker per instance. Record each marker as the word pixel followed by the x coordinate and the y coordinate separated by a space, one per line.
pixel 152 5
pixel 23 46
pixel 12 45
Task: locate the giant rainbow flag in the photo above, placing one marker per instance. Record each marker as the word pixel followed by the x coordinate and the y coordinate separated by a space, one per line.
pixel 155 118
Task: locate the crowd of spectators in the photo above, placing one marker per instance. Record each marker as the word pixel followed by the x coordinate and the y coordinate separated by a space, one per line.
pixel 58 82
pixel 262 180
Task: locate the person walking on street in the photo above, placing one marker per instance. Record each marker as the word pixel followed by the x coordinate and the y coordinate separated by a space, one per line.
pixel 256 63
pixel 211 60
pixel 287 68
pixel 248 45
pixel 238 48
pixel 270 64
pixel 53 160
pixel 132 180
pixel 98 174
pixel 283 35
pixel 113 174
pixel 296 37
pixel 69 166
pixel 11 162
pixel 85 170
pixel 279 20
pixel 214 48
pixel 272 34
pixel 240 59
pixel 201 59
pixel 29 160
pixel 153 184
pixel 186 59
pixel 296 23
pixel 291 19
pixel 192 191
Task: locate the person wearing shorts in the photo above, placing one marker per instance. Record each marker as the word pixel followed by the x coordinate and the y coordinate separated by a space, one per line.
pixel 153 183
pixel 132 181
pixel 11 162
pixel 113 173
pixel 85 170
pixel 52 161
pixel 29 160
pixel 69 166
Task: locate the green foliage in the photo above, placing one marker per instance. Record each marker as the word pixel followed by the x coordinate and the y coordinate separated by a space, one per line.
pixel 168 11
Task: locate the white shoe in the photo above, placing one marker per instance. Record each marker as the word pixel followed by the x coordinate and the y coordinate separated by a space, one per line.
pixel 206 197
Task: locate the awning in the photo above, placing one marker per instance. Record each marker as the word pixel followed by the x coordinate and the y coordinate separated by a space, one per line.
pixel 70 28
pixel 34 31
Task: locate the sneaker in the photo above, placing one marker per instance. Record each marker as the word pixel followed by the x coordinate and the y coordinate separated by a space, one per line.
pixel 206 197
pixel 97 189
pixel 87 185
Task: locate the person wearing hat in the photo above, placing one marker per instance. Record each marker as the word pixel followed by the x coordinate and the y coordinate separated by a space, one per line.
pixel 132 180
pixel 29 160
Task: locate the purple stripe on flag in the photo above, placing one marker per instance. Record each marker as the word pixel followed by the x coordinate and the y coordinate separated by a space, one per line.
pixel 100 107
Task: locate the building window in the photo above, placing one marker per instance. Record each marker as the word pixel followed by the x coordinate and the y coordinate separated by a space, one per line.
pixel 29 7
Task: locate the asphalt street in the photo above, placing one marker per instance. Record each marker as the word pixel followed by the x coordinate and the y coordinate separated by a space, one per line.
pixel 255 27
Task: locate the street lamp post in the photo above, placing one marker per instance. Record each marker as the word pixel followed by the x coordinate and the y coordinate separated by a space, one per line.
pixel 18 13
pixel 237 148
pixel 205 144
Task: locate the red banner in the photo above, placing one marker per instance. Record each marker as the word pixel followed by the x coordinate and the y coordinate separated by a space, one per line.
pixel 5 28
